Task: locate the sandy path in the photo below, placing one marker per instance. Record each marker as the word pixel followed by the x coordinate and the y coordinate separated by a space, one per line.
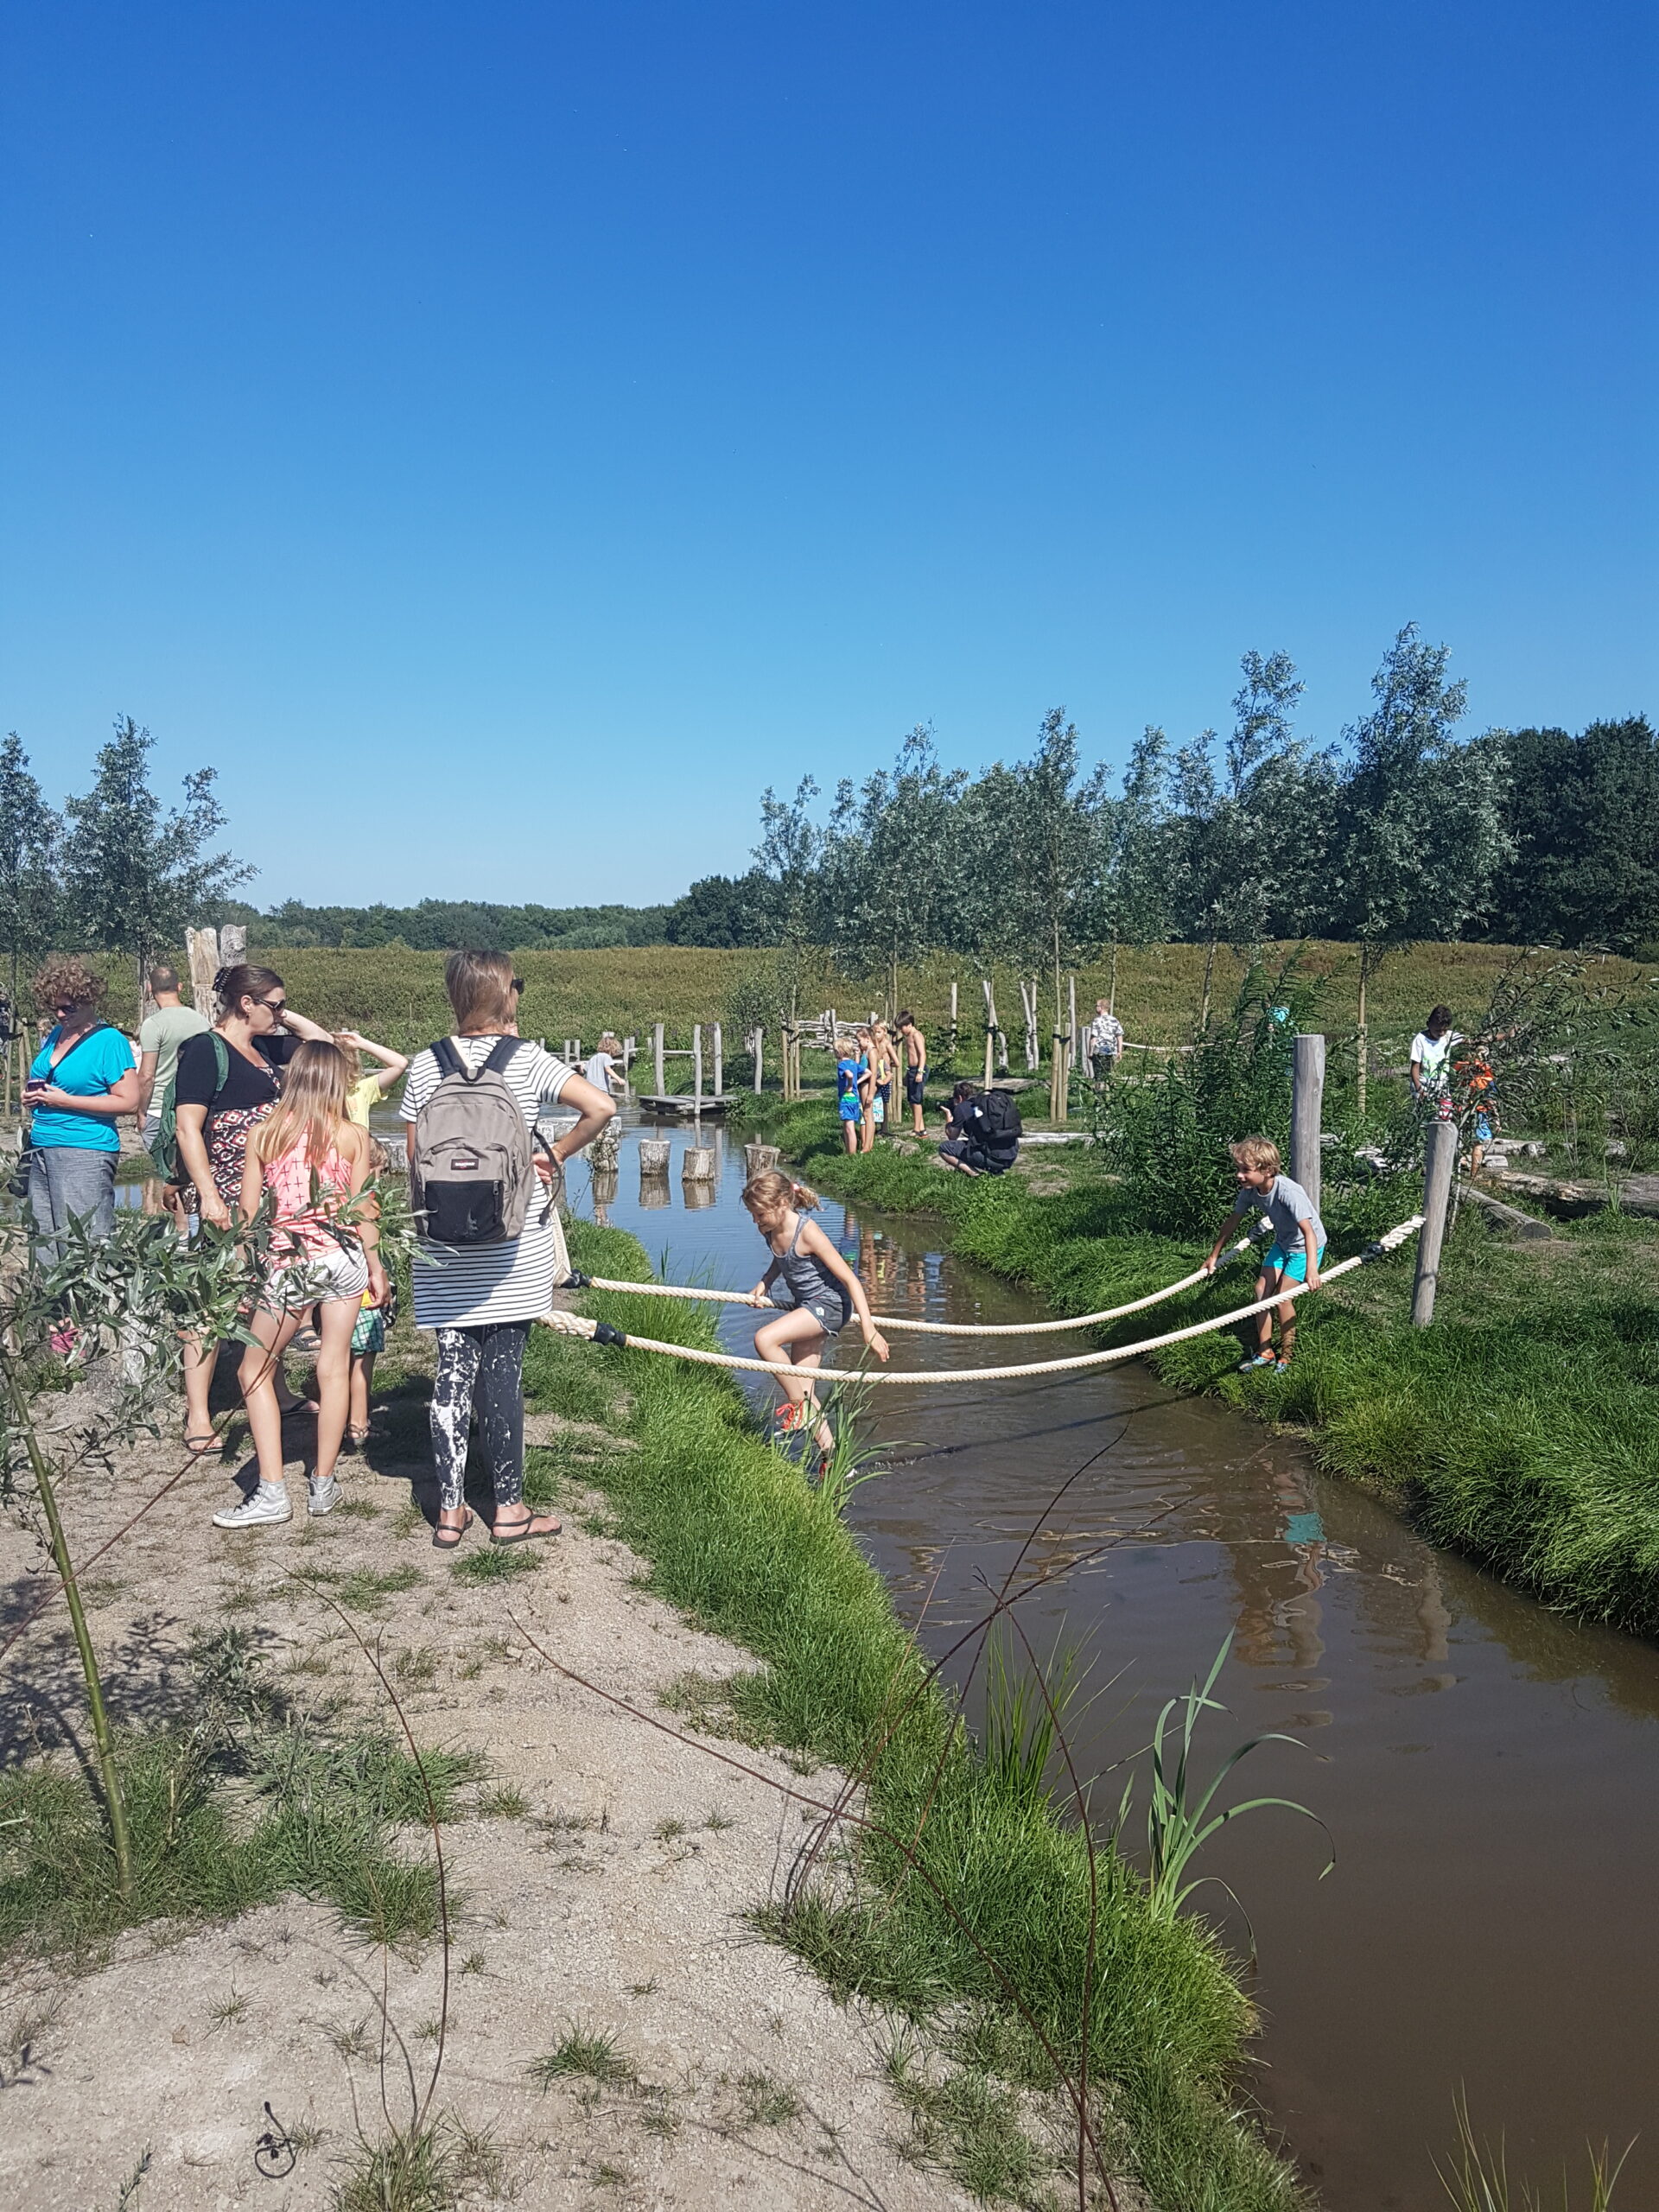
pixel 616 1903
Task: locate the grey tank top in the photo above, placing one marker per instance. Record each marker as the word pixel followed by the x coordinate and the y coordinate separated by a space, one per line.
pixel 808 1283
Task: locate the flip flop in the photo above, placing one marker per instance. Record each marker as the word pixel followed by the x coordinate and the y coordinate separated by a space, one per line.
pixel 200 1446
pixel 445 1539
pixel 526 1532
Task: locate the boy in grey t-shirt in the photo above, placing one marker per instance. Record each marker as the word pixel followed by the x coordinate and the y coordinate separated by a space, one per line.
pixel 1298 1242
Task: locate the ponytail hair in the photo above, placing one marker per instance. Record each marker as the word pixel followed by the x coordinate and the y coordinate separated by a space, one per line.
pixel 770 1191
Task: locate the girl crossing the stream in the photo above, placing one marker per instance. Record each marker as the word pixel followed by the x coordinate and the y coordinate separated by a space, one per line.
pixel 811 1280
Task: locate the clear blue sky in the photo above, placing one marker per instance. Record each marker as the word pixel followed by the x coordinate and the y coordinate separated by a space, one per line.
pixel 502 438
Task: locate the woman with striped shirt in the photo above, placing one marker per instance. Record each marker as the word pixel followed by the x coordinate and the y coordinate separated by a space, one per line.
pixel 481 1298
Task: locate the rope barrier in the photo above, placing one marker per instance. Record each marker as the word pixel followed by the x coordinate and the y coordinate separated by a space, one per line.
pixel 924 1328
pixel 579 1324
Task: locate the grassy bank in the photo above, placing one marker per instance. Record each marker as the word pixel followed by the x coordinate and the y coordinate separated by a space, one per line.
pixel 732 1537
pixel 398 995
pixel 1523 1428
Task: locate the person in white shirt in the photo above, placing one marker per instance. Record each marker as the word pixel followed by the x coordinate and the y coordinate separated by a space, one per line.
pixel 1105 1040
pixel 603 1069
pixel 1431 1060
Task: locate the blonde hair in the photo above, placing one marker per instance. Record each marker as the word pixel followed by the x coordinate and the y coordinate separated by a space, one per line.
pixel 771 1192
pixel 479 985
pixel 1257 1152
pixel 311 1109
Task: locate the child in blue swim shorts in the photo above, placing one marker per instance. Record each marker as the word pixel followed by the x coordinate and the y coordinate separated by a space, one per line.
pixel 1298 1242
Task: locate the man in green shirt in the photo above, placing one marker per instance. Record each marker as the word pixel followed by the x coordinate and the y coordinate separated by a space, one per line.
pixel 160 1036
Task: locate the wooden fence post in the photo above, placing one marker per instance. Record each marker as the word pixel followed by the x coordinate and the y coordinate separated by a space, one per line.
pixel 1307 1107
pixel 720 1076
pixel 203 947
pixel 658 1043
pixel 760 1047
pixel 1440 1156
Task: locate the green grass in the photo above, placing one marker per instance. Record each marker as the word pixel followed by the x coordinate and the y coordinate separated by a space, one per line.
pixel 588 2054
pixel 734 1539
pixel 319 1813
pixel 397 995
pixel 1523 1428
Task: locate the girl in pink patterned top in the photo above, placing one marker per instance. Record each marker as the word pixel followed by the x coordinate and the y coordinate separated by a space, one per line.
pixel 311 1160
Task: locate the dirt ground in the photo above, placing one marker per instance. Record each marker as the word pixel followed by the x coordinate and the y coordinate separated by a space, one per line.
pixel 616 1904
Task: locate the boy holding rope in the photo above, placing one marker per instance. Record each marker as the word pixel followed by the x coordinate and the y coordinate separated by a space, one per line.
pixel 1298 1242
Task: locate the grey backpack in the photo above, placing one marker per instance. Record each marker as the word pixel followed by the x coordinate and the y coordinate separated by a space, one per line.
pixel 474 1173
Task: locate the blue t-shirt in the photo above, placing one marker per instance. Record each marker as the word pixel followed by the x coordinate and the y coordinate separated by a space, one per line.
pixel 847 1078
pixel 90 1069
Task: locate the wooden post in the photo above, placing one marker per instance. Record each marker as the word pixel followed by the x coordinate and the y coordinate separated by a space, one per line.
pixel 653 1156
pixel 759 1052
pixel 990 1030
pixel 1070 1046
pixel 202 946
pixel 696 1066
pixel 953 1017
pixel 658 1039
pixel 232 943
pixel 719 1076
pixel 697 1164
pixel 757 1158
pixel 1440 1154
pixel 1307 1107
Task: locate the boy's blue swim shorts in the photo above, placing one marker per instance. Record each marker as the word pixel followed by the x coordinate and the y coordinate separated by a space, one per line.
pixel 1292 1265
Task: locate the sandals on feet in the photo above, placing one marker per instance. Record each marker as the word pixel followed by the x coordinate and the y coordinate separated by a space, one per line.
pixel 200 1446
pixel 1261 1359
pixel 526 1532
pixel 445 1538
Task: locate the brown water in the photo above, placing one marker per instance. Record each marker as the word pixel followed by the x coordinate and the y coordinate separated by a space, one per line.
pixel 1489 1771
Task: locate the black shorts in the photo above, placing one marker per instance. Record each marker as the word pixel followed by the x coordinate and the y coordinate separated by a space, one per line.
pixel 915 1081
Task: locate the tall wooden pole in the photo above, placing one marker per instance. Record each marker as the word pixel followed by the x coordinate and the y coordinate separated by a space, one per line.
pixel 719 1079
pixel 696 1064
pixel 1440 1156
pixel 656 1040
pixel 759 1046
pixel 1307 1107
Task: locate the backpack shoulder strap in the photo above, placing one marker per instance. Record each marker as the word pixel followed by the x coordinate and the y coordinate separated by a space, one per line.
pixel 221 1062
pixel 449 1059
pixel 501 1053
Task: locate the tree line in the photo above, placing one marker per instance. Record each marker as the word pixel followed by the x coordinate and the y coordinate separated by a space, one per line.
pixel 1404 827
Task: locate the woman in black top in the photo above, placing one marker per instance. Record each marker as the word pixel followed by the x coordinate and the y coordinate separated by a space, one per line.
pixel 254 1038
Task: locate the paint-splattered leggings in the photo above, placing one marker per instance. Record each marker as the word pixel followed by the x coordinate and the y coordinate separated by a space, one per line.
pixel 481 1367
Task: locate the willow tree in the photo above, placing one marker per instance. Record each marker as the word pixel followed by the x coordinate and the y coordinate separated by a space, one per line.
pixel 890 871
pixel 1043 902
pixel 29 831
pixel 136 876
pixel 1421 832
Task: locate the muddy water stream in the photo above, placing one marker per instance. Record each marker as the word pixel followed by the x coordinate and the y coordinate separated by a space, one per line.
pixel 1488 1773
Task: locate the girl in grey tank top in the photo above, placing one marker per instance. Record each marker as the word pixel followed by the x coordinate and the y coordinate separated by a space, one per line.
pixel 818 1291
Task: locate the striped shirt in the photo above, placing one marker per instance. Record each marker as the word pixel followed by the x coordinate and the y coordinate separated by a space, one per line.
pixel 471 1286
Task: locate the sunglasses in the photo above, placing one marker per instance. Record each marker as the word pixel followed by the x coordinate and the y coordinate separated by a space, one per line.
pixel 519 983
pixel 273 1005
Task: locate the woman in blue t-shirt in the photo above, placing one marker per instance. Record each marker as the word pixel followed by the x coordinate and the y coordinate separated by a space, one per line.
pixel 83 1076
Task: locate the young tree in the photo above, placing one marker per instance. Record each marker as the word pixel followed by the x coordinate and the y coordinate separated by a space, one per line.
pixel 1040 855
pixel 1421 832
pixel 790 854
pixel 889 862
pixel 1140 860
pixel 136 877
pixel 29 883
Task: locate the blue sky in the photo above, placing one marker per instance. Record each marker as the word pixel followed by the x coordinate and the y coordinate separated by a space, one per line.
pixel 501 439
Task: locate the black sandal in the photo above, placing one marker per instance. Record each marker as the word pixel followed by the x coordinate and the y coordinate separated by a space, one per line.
pixel 446 1539
pixel 526 1532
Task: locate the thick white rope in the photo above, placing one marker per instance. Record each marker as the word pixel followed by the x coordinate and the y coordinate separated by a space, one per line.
pixel 578 1324
pixel 940 1328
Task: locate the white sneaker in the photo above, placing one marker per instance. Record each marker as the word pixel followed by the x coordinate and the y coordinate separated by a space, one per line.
pixel 255 1512
pixel 324 1497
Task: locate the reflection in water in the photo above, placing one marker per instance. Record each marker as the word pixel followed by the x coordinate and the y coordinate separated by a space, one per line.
pixel 1489 1770
pixel 654 1192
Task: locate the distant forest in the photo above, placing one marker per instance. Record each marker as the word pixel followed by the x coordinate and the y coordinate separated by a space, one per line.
pixel 1569 856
